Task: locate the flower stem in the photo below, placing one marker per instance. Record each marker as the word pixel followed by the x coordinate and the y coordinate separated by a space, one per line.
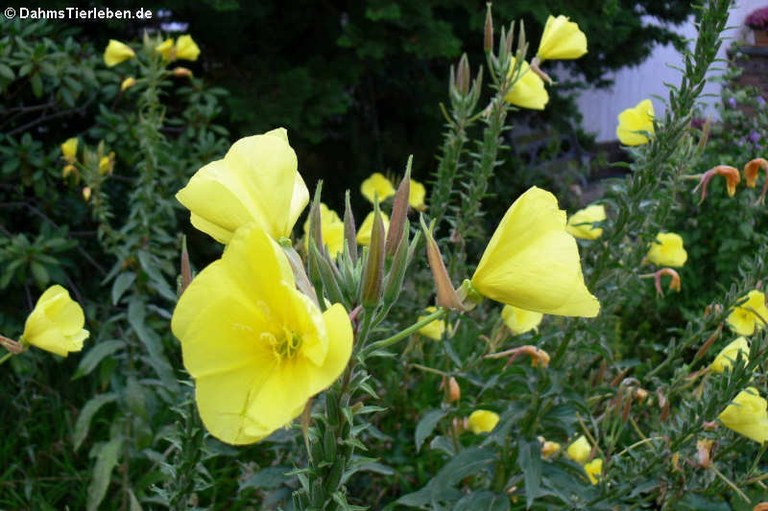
pixel 5 357
pixel 389 341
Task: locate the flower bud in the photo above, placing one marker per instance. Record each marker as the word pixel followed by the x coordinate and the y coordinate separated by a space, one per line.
pixel 87 193
pixel 488 30
pixel 704 453
pixel 182 72
pixel 128 83
pixel 453 391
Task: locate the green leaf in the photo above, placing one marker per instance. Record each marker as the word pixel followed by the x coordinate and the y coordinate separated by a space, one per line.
pixel 6 72
pixel 483 501
pixel 529 461
pixel 426 426
pixel 151 341
pixel 267 478
pixel 106 460
pixel 122 283
pixel 95 355
pixel 83 422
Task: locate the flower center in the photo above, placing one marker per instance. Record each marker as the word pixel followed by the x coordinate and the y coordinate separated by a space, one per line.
pixel 285 345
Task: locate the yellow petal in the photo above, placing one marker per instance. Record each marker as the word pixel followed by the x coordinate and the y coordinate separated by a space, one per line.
pixel 747 415
pixel 69 150
pixel 332 228
pixel 364 233
pixel 257 181
pixel 636 123
pixel 482 421
pixel 562 39
pixel 56 323
pixel 532 263
pixel 750 316
pixel 528 90
pixel 377 185
pixel 435 329
pixel 725 359
pixel 117 52
pixel 594 470
pixel 579 450
pixel 520 321
pixel 166 49
pixel 416 195
pixel 668 250
pixel 127 83
pixel 580 224
pixel 186 48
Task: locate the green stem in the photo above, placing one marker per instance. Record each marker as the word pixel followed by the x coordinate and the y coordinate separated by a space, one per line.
pixel 389 341
pixel 5 357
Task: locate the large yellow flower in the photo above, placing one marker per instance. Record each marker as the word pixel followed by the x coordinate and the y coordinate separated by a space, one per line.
pixel 532 263
pixel 528 90
pixel 581 223
pixel 117 52
pixel 725 359
pixel 747 415
pixel 257 181
pixel 56 323
pixel 594 470
pixel 635 124
pixel 750 316
pixel 377 185
pixel 562 39
pixel 482 421
pixel 519 320
pixel 332 228
pixel 668 250
pixel 186 48
pixel 69 150
pixel 257 348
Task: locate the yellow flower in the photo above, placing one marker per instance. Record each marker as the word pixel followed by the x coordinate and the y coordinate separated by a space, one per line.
pixel 166 49
pixel 186 48
pixel 532 263
pixel 668 250
pixel 579 450
pixel 636 123
pixel 749 317
pixel 257 181
pixel 117 52
pixel 747 415
pixel 581 223
pixel 257 348
pixel 482 421
pixel 69 150
pixel 416 195
pixel 435 329
pixel 594 470
pixel 333 230
pixel 725 359
pixel 364 233
pixel 520 321
pixel 377 185
pixel 562 39
pixel 107 164
pixel 56 323
pixel 528 90
pixel 549 448
pixel 128 83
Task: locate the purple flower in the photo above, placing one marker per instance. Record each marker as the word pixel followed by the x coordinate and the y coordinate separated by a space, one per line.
pixel 754 137
pixel 760 101
pixel 732 102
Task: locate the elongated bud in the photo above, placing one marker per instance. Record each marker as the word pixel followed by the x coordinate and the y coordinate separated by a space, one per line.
pixel 396 275
pixel 315 221
pixel 182 72
pixel 373 272
pixel 399 211
pixel 510 37
pixel 299 273
pixel 350 233
pixel 446 294
pixel 704 453
pixel 488 30
pixel 87 193
pixel 463 75
pixel 186 268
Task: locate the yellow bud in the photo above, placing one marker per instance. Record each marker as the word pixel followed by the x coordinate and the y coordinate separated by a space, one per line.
pixel 482 421
pixel 128 83
pixel 87 193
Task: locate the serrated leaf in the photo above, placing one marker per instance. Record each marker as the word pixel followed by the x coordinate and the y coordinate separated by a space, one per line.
pixel 121 284
pixel 106 460
pixel 83 423
pixel 426 426
pixel 95 355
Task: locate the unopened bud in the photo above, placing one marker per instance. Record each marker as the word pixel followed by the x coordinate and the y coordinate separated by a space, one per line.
pixel 549 449
pixel 704 453
pixel 463 75
pixel 182 72
pixel 67 170
pixel 446 294
pixel 641 395
pixel 453 391
pixel 128 83
pixel 87 193
pixel 488 30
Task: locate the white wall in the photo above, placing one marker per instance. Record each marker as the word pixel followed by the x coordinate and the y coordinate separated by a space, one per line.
pixel 601 107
